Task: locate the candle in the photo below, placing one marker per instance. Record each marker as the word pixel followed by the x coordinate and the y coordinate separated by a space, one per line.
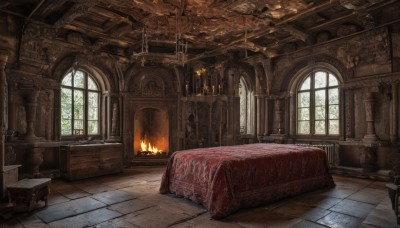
pixel 213 90
pixel 219 88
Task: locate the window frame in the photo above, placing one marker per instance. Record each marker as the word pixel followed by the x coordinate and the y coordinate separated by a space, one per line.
pixel 85 90
pixel 242 81
pixel 312 106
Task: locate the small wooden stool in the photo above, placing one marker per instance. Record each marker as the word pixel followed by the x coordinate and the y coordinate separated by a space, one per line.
pixel 29 191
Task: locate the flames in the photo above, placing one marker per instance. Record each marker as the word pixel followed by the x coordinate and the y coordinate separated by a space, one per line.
pixel 147 147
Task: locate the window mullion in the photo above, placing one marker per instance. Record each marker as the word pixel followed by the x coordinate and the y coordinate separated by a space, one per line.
pixel 312 105
pixel 326 110
pixel 85 105
pixel 73 105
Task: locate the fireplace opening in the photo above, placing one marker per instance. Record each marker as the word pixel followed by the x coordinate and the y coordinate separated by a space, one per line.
pixel 151 134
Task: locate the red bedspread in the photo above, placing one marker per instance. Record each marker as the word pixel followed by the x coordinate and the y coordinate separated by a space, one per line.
pixel 224 179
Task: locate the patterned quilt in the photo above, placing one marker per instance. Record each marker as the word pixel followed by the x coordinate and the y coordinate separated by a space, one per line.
pixel 225 179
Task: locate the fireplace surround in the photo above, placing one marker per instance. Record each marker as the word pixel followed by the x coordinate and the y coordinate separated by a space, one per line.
pixel 150 115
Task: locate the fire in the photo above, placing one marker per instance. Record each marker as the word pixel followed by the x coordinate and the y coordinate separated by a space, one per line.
pixel 148 147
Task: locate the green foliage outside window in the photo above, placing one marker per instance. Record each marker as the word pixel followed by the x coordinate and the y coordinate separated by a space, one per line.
pixel 318 105
pixel 79 104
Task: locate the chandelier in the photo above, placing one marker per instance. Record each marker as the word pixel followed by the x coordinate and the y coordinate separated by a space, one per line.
pixel 180 44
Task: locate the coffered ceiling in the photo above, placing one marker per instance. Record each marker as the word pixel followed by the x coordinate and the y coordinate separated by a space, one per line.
pixel 204 28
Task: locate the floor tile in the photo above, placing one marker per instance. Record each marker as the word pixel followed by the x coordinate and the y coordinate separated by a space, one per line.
pixel 204 220
pixel 118 222
pixel 32 221
pixel 113 197
pixel 56 198
pixel 337 220
pixel 71 208
pixel 316 200
pixel 93 187
pixel 180 205
pixel 307 224
pixel 353 208
pixel 131 206
pixel 86 219
pixel 155 217
pixel 254 218
pixel 69 191
pixel 368 195
pixel 382 216
pixel 303 211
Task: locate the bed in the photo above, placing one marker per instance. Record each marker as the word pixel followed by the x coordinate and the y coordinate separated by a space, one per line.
pixel 225 179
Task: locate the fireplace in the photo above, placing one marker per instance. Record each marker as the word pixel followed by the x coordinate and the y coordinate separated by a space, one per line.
pixel 151 132
pixel 150 116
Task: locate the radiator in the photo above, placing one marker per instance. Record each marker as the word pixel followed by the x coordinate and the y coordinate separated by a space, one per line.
pixel 329 149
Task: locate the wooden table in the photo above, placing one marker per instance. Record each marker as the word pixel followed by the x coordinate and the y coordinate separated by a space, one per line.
pixel 29 191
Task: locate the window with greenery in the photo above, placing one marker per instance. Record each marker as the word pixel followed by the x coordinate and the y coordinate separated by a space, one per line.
pixel 244 105
pixel 318 105
pixel 80 104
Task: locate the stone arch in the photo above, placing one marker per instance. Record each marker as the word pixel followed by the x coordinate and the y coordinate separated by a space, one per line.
pixel 291 76
pixel 96 68
pixel 140 82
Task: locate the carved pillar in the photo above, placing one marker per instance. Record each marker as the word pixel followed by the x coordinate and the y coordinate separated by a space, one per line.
pixel 210 105
pixel 3 115
pixel 266 117
pixel 394 114
pixel 292 115
pixel 115 120
pixel 30 107
pixel 34 160
pixel 349 114
pixel 369 104
pixel 255 115
pixel 49 117
pixel 261 114
pixel 12 112
pixel 278 115
pixel 368 158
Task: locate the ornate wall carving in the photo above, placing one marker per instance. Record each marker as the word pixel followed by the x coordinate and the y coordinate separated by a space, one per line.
pixel 368 53
pixel 153 83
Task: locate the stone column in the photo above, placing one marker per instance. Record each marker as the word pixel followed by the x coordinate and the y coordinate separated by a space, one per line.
pixel 30 106
pixel 3 115
pixel 292 115
pixel 349 114
pixel 266 117
pixel 394 114
pixel 369 104
pixel 278 114
pixel 261 115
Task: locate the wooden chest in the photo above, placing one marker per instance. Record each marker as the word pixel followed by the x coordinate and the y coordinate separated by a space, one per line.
pixel 90 160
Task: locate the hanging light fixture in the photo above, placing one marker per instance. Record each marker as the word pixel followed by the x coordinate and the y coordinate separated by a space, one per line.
pixel 180 44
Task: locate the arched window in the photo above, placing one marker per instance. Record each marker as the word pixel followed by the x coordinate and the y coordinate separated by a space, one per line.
pixel 318 104
pixel 80 104
pixel 244 106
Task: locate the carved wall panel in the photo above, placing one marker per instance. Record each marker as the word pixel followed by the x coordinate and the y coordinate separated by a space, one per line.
pixel 368 53
pixel 153 83
pixel 396 50
pixel 359 113
pixel 382 116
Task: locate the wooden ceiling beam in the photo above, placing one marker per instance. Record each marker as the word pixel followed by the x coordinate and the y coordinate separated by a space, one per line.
pixel 93 33
pixel 312 10
pixel 77 10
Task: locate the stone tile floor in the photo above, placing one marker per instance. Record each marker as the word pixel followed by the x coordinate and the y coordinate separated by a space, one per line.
pixel 131 199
